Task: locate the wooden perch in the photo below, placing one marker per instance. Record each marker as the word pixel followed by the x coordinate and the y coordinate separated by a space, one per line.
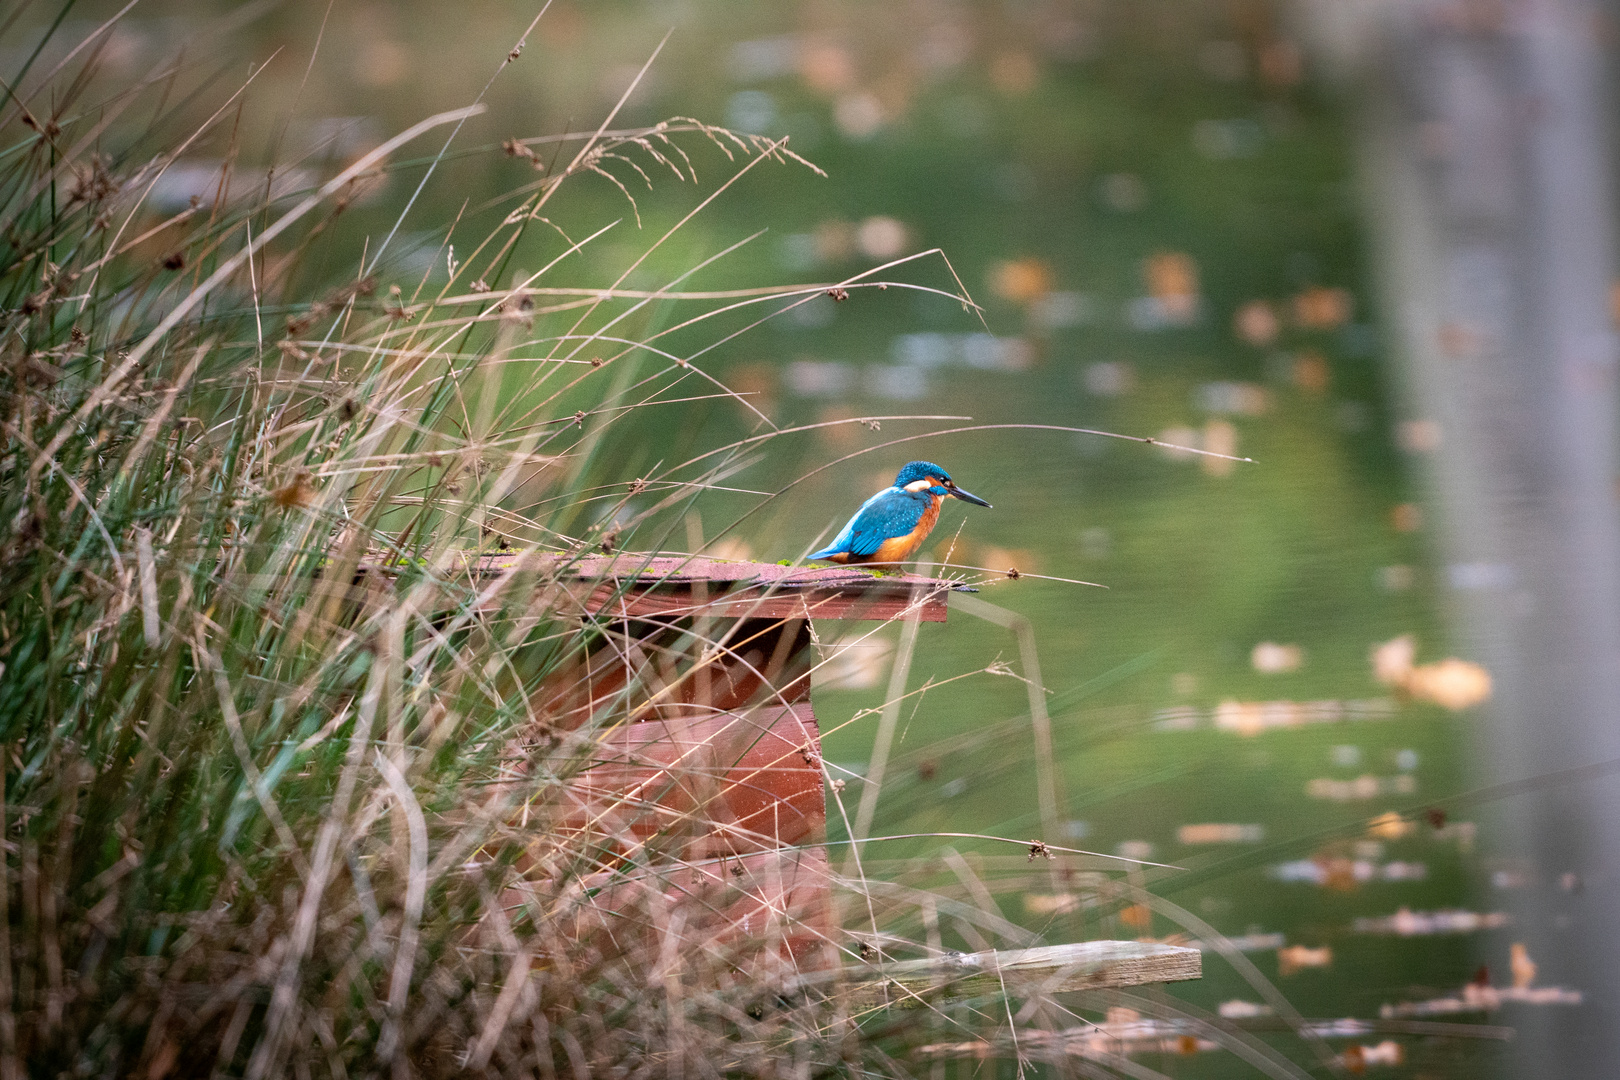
pixel 641 587
pixel 1085 965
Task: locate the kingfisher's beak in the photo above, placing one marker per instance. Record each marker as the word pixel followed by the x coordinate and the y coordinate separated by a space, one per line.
pixel 968 496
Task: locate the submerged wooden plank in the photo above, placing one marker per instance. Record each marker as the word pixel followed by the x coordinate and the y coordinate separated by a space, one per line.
pixel 1121 1036
pixel 1051 969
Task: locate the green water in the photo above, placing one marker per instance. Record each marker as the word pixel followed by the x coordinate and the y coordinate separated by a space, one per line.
pixel 1087 138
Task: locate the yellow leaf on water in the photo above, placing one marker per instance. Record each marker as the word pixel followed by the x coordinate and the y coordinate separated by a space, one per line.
pixel 1392 660
pixel 1523 968
pixel 1022 280
pixel 1452 684
pixel 1295 958
pixel 1172 280
pixel 1256 323
pixel 1389 826
pixel 1319 308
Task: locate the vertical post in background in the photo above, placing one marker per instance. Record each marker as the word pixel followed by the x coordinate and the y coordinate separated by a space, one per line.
pixel 1485 153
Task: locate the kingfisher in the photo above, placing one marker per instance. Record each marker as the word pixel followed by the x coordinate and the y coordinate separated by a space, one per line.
pixel 893 523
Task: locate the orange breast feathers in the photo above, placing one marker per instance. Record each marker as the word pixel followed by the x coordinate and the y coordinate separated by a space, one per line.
pixel 899 548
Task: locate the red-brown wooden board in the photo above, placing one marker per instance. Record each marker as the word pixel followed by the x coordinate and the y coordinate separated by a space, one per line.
pixel 723 784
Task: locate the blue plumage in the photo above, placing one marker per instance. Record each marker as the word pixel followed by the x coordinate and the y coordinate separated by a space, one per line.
pixel 890 513
pixel 893 523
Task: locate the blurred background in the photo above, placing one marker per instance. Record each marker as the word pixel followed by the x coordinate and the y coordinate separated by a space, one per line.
pixel 1364 690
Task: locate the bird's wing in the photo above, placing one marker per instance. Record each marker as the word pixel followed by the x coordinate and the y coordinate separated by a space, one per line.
pixel 890 513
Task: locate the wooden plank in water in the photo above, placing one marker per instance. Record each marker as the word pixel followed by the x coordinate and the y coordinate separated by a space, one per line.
pixel 1051 969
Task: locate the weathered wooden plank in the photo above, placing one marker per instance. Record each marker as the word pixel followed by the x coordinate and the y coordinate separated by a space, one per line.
pixel 678 588
pixel 634 601
pixel 1051 969
pixel 668 587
